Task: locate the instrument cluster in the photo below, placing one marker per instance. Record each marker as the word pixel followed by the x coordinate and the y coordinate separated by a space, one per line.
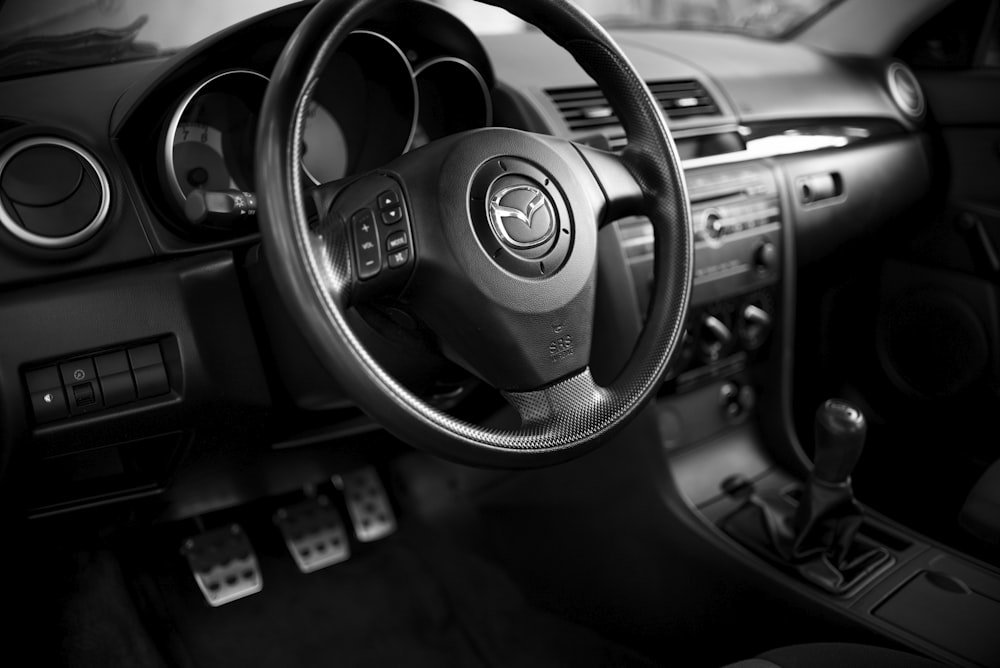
pixel 371 104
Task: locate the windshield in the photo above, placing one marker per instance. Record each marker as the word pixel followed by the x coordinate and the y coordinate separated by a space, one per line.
pixel 43 35
pixel 770 19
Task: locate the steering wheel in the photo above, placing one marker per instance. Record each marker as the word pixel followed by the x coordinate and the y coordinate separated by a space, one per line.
pixel 490 238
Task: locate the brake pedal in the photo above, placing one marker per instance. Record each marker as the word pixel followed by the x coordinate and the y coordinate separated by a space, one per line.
pixel 367 504
pixel 314 533
pixel 224 564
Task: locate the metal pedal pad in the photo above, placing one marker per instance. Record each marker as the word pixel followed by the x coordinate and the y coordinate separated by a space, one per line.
pixel 314 533
pixel 367 504
pixel 224 564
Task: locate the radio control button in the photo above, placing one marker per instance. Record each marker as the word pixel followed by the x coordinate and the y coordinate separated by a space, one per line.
pixel 712 224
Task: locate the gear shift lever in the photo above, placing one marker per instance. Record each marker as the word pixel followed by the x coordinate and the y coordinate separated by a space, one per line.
pixel 827 517
pixel 840 437
pixel 819 537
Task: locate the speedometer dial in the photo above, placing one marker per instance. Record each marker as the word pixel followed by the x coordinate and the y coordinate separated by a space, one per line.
pixel 324 150
pixel 453 97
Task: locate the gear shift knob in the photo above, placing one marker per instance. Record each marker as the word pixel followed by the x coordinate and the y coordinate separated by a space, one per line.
pixel 840 437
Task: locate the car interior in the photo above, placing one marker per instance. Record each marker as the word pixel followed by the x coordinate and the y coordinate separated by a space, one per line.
pixel 513 333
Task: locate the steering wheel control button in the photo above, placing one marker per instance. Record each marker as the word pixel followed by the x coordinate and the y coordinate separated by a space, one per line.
pixel 367 250
pixel 224 564
pixel 393 215
pixel 148 370
pixel 397 241
pixel 367 504
pixel 314 533
pixel 399 258
pixel 520 217
pixel 388 200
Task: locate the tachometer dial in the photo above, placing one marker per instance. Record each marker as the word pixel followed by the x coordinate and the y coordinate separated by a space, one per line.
pixel 198 158
pixel 210 140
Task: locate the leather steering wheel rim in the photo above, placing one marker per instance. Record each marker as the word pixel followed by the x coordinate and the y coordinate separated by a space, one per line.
pixel 314 270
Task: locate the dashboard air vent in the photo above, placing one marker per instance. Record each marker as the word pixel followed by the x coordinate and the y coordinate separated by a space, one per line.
pixel 585 109
pixel 53 193
pixel 905 90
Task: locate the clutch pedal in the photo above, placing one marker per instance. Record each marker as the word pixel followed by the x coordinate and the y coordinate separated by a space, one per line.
pixel 367 504
pixel 314 533
pixel 224 564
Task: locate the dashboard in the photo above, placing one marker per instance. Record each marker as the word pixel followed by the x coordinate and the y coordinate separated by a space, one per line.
pixel 159 276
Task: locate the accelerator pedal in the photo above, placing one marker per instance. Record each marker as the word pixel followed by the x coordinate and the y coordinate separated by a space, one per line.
pixel 367 504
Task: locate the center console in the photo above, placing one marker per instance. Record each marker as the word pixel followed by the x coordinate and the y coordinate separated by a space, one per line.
pixel 736 213
pixel 725 424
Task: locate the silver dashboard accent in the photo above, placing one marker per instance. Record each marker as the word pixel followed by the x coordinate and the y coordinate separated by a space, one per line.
pixel 10 223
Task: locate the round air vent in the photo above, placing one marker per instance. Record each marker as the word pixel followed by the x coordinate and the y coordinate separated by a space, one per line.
pixel 905 90
pixel 53 193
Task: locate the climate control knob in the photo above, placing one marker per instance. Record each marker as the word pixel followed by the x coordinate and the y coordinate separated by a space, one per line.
pixel 753 326
pixel 714 338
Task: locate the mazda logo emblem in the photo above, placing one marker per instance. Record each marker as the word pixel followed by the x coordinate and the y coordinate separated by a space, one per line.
pixel 522 216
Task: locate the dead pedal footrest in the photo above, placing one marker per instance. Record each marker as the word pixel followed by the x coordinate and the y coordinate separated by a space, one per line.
pixel 224 564
pixel 367 504
pixel 314 533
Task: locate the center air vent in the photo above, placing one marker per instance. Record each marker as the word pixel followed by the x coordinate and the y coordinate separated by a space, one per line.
pixel 53 193
pixel 585 109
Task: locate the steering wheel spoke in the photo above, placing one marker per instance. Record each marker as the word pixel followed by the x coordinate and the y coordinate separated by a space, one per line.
pixel 369 216
pixel 622 193
pixel 571 401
